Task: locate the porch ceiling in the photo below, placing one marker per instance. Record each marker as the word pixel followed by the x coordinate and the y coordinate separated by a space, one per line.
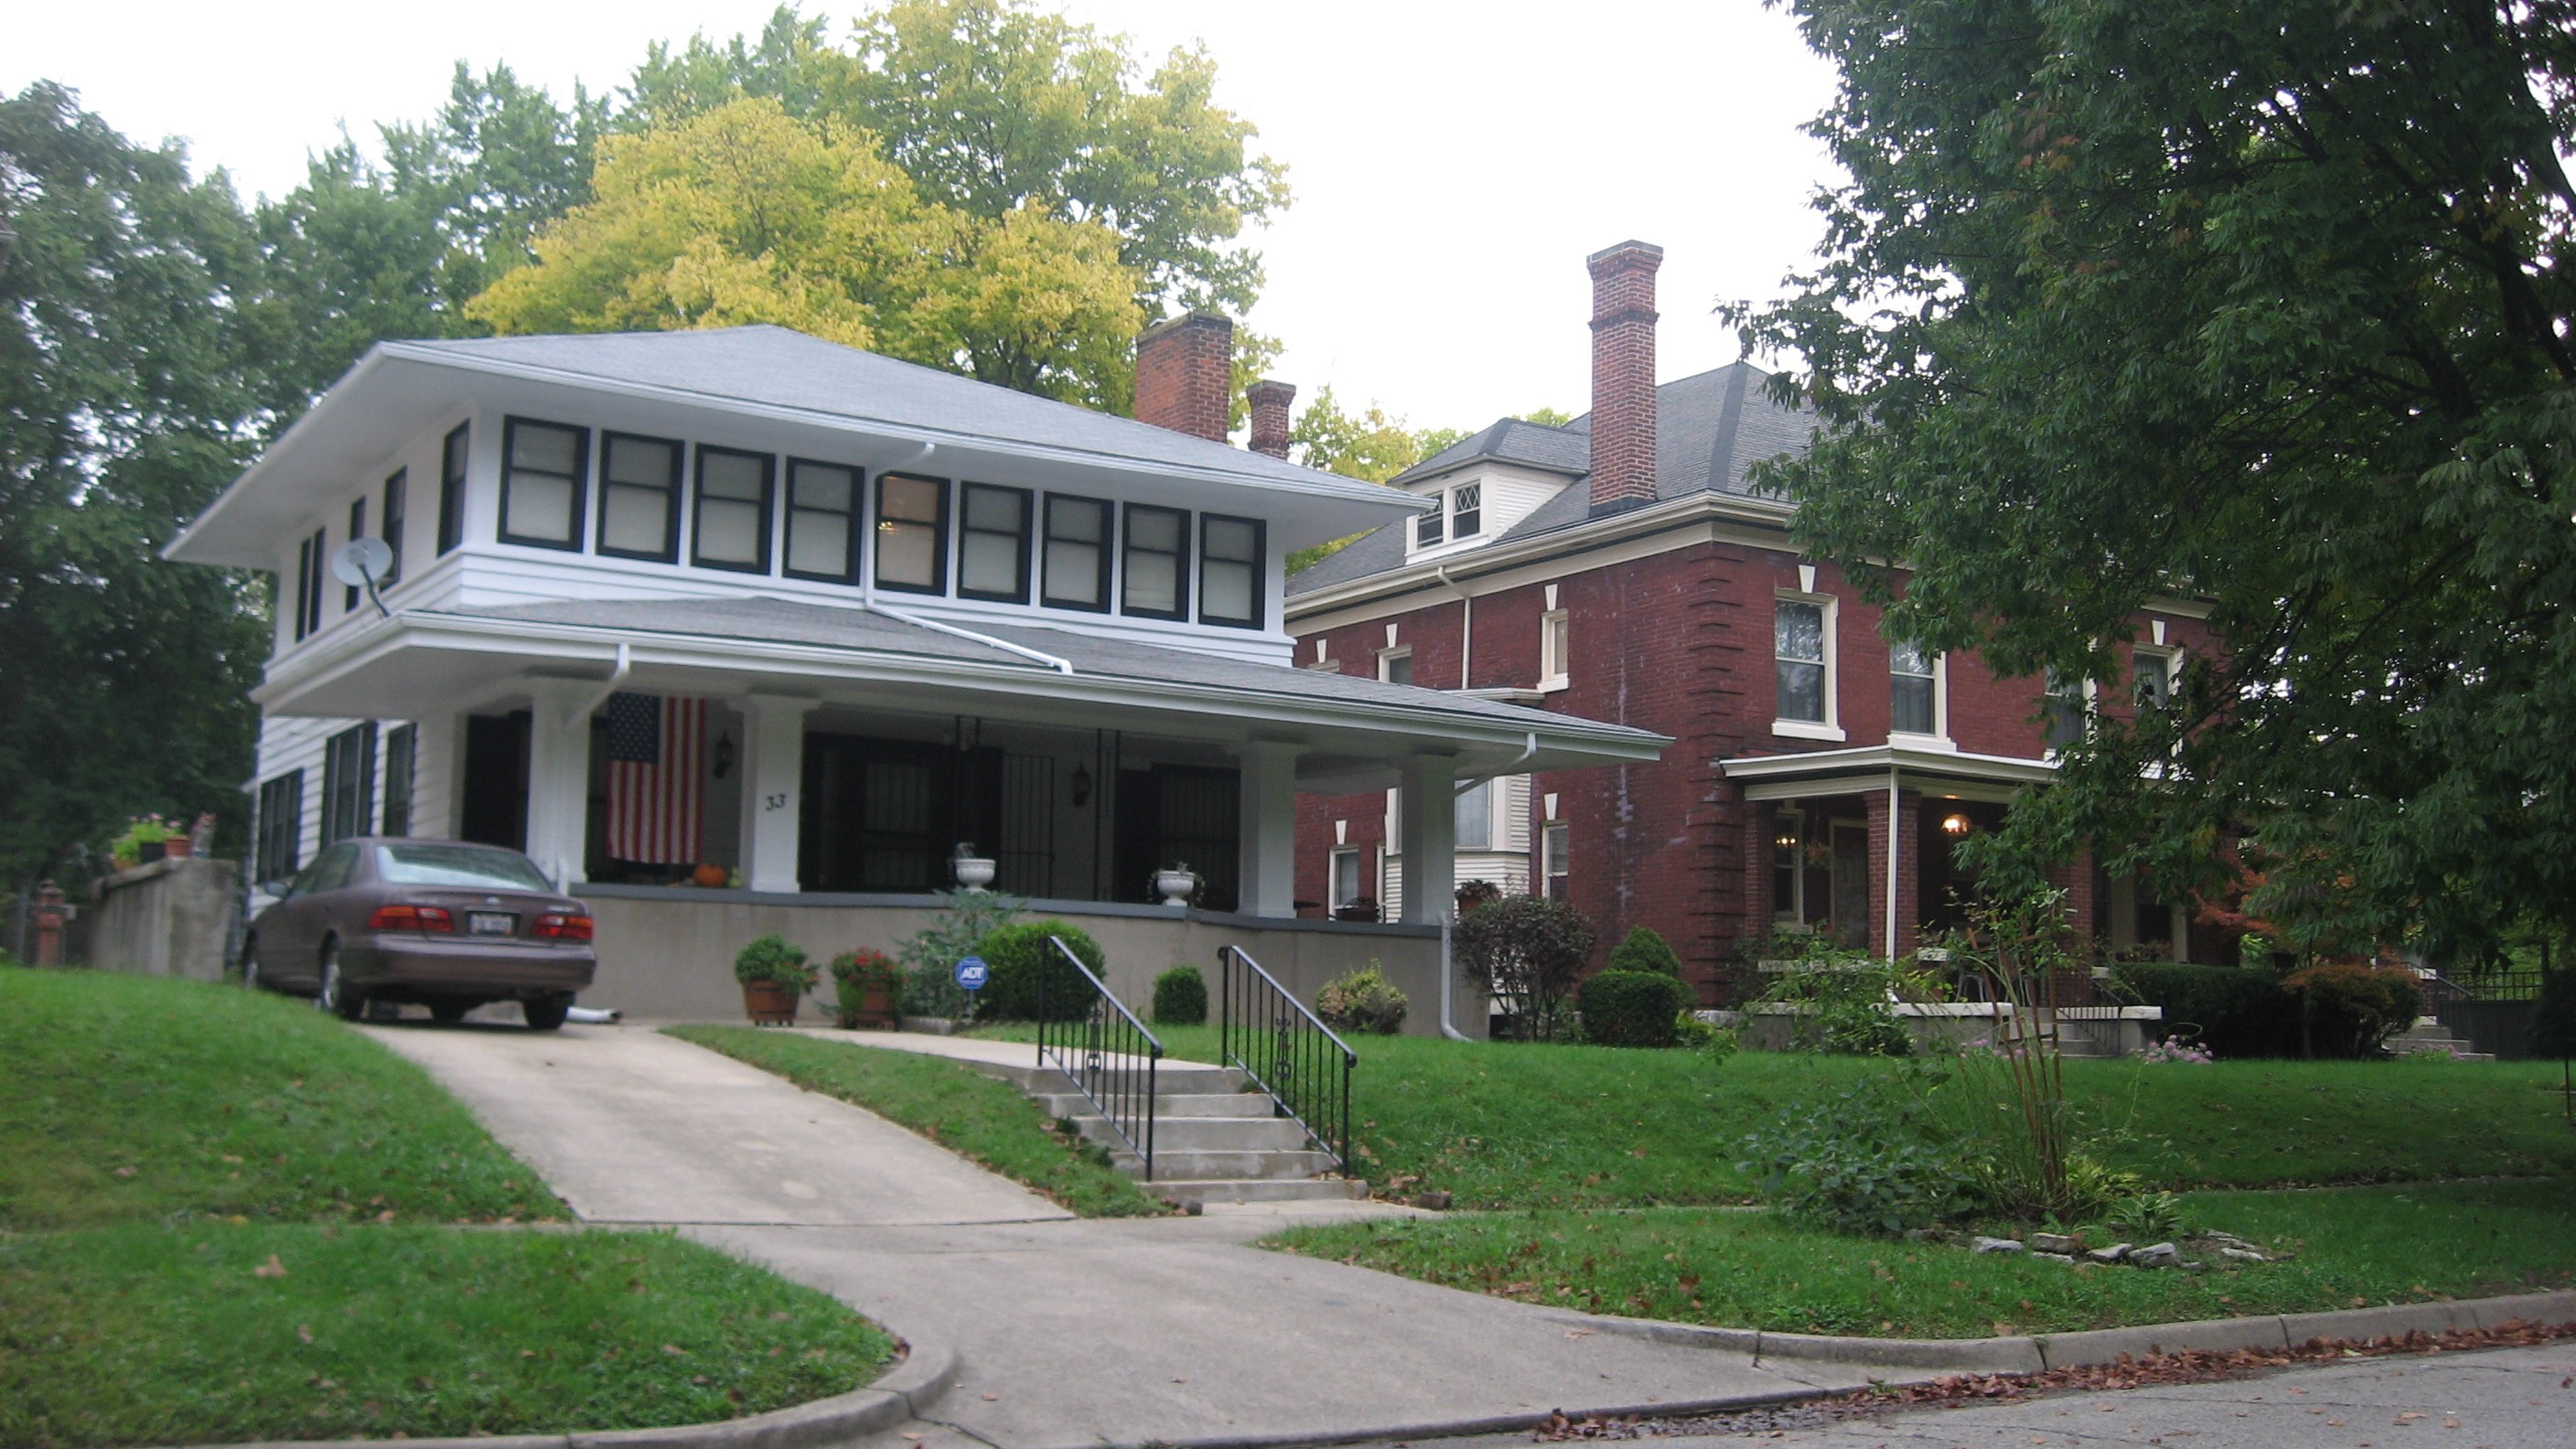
pixel 1351 730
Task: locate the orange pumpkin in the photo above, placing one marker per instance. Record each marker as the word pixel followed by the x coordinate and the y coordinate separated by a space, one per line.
pixel 708 875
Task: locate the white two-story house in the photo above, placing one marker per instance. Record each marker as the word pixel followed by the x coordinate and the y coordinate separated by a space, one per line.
pixel 741 630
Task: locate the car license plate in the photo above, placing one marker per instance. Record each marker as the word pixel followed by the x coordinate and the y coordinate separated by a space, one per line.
pixel 490 923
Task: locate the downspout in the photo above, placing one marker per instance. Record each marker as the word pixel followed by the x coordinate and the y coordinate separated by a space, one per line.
pixel 616 677
pixel 1466 621
pixel 1449 918
pixel 1060 666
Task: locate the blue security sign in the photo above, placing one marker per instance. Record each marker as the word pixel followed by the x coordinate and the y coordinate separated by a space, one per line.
pixel 972 973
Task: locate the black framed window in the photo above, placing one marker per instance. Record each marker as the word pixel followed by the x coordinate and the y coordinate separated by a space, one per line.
pixel 1077 553
pixel 308 583
pixel 281 826
pixel 639 497
pixel 349 782
pixel 912 534
pixel 357 530
pixel 993 544
pixel 402 756
pixel 822 522
pixel 1230 571
pixel 1157 563
pixel 397 505
pixel 734 491
pixel 451 488
pixel 545 471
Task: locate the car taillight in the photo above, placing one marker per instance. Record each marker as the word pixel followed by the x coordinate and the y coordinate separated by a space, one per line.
pixel 555 926
pixel 411 918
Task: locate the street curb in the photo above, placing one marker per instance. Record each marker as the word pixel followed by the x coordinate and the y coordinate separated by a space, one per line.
pixel 2032 1353
pixel 905 1392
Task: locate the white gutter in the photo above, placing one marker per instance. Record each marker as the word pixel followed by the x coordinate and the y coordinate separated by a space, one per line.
pixel 1060 666
pixel 616 677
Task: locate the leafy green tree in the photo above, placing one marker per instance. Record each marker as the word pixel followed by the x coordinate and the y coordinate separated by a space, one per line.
pixel 1547 417
pixel 1373 446
pixel 995 107
pixel 129 396
pixel 747 214
pixel 2266 305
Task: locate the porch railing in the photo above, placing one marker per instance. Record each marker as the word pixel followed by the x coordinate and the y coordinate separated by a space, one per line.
pixel 1287 1051
pixel 1107 1053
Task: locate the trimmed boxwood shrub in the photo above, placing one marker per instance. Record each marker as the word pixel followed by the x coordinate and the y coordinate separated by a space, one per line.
pixel 1021 957
pixel 1633 1008
pixel 1180 997
pixel 1644 950
pixel 2235 1011
pixel 1362 1000
pixel 2345 1009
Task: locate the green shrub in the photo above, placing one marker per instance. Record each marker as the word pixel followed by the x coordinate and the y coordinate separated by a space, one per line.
pixel 1180 997
pixel 1643 950
pixel 1632 1008
pixel 853 973
pixel 1844 1001
pixel 930 955
pixel 2348 1010
pixel 1026 966
pixel 1362 1001
pixel 1870 1160
pixel 774 961
pixel 1529 950
pixel 2235 1011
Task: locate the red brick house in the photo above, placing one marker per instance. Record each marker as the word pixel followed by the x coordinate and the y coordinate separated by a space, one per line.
pixel 1621 569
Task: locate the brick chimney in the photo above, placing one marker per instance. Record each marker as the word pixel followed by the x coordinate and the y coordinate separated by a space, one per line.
pixel 1184 374
pixel 1623 374
pixel 1270 399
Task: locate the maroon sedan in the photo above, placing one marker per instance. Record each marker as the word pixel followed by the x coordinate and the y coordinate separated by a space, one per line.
pixel 444 923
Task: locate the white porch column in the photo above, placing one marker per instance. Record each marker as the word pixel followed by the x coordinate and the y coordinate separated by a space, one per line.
pixel 773 787
pixel 1266 850
pixel 1427 822
pixel 559 778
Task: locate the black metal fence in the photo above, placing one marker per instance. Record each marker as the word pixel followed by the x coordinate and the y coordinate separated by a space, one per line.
pixel 1109 1055
pixel 1287 1051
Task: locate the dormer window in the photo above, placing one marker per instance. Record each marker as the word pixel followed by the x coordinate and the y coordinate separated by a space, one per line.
pixel 1467 510
pixel 1430 527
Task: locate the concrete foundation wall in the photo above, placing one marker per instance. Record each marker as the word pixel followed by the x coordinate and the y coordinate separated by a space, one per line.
pixel 667 955
pixel 168 918
pixel 2116 1031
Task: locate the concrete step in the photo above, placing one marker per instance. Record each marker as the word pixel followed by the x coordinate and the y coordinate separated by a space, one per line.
pixel 1321 1189
pixel 1207 1134
pixel 1166 1105
pixel 1210 1165
pixel 1168 1081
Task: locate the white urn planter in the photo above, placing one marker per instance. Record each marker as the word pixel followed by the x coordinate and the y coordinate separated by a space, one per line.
pixel 974 872
pixel 1175 886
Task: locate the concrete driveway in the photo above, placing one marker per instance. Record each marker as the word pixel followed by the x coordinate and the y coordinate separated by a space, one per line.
pixel 1072 1333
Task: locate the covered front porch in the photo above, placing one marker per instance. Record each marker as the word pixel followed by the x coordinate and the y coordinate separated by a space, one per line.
pixel 762 752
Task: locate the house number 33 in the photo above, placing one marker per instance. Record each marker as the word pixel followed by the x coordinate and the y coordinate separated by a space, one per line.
pixel 773 802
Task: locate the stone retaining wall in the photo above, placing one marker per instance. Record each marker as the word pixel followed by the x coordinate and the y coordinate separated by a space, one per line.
pixel 168 918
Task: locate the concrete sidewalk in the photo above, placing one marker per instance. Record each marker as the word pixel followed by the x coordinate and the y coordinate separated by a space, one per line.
pixel 1072 1333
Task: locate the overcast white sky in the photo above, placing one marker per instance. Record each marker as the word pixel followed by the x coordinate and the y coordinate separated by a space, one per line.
pixel 1453 164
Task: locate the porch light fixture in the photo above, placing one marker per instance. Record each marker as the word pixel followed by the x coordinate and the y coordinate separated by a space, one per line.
pixel 1954 825
pixel 1081 785
pixel 721 757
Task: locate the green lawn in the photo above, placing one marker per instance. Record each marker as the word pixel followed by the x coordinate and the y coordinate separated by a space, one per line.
pixel 225 1216
pixel 961 1109
pixel 1530 1126
pixel 1752 1270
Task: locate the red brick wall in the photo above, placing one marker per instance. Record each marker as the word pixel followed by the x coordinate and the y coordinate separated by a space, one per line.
pixel 1680 643
pixel 1269 400
pixel 1184 378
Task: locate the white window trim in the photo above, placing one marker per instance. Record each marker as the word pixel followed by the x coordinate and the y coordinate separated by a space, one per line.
pixel 1557 622
pixel 1386 658
pixel 1449 509
pixel 2091 697
pixel 1800 729
pixel 1545 828
pixel 2169 658
pixel 1939 739
pixel 1333 875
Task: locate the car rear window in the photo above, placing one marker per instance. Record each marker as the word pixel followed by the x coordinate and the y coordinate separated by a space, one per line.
pixel 458 865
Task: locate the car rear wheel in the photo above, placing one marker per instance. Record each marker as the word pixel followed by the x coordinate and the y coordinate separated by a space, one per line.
pixel 335 996
pixel 546 1013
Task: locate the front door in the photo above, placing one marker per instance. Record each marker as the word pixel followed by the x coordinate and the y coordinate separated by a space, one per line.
pixel 1851 883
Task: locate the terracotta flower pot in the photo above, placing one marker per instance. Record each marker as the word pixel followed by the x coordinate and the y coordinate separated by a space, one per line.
pixel 768 1004
pixel 178 847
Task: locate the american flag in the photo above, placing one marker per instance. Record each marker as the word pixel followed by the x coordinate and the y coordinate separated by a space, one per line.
pixel 656 777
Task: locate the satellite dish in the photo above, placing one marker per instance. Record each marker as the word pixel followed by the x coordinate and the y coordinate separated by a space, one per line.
pixel 361 562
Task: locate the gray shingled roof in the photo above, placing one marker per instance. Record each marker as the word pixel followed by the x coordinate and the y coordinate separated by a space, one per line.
pixel 856 627
pixel 1710 429
pixel 779 367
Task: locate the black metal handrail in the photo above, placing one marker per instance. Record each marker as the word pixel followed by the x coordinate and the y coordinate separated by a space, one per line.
pixel 1287 1051
pixel 1099 1051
